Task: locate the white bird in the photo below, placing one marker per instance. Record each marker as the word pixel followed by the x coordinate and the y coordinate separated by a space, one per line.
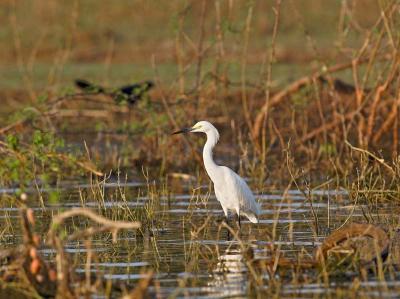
pixel 230 189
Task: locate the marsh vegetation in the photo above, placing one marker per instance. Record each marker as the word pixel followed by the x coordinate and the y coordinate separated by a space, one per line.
pixel 98 199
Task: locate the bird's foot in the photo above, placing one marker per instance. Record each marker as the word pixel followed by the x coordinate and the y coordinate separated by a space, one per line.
pixel 228 235
pixel 219 220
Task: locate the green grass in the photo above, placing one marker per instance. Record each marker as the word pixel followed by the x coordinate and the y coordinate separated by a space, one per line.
pixel 124 73
pixel 131 33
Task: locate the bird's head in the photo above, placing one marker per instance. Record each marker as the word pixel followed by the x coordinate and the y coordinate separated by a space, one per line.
pixel 200 127
pixel 148 84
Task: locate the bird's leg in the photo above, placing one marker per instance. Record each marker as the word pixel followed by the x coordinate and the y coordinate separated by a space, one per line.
pixel 238 219
pixel 228 236
pixel 226 213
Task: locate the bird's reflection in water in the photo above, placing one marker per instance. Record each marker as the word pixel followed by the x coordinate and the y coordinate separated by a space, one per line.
pixel 229 278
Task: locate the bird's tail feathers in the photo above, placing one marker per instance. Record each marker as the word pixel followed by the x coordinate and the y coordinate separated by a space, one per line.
pixel 252 217
pixel 88 86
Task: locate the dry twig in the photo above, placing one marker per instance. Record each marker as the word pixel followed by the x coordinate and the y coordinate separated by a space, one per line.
pixel 380 160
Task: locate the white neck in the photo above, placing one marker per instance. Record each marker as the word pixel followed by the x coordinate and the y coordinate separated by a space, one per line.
pixel 210 165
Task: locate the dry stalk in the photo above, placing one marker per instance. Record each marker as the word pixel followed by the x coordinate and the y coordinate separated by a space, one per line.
pixel 390 119
pixel 220 50
pixel 18 50
pixel 245 106
pixel 111 225
pixel 396 133
pixel 329 126
pixel 380 160
pixel 292 88
pixel 140 291
pixel 179 55
pixel 171 116
pixel 306 196
pixel 65 51
pixel 378 95
pixel 200 53
pixel 272 56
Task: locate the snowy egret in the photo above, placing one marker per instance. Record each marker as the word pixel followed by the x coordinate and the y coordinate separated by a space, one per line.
pixel 230 189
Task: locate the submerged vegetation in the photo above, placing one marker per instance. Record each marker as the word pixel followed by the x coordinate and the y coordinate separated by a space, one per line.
pixel 97 198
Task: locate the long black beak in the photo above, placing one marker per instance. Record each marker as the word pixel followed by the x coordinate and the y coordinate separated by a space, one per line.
pixel 184 130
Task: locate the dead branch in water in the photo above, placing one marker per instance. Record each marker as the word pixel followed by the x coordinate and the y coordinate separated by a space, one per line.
pixel 62 261
pixel 41 276
pixel 111 225
pixel 336 240
pixel 354 230
pixel 45 279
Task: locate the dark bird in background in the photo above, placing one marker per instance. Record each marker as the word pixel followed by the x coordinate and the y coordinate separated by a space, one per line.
pixel 129 93
pixel 342 86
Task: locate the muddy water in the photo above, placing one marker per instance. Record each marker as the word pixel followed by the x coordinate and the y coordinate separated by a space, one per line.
pixel 190 261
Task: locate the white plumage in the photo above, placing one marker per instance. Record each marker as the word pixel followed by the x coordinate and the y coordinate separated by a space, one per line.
pixel 230 189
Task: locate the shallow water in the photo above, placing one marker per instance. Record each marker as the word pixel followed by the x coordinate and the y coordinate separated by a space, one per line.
pixel 206 264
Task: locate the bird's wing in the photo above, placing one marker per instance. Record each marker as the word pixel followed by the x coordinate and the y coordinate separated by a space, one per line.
pixel 220 198
pixel 241 191
pixel 137 89
pixel 132 89
pixel 88 86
